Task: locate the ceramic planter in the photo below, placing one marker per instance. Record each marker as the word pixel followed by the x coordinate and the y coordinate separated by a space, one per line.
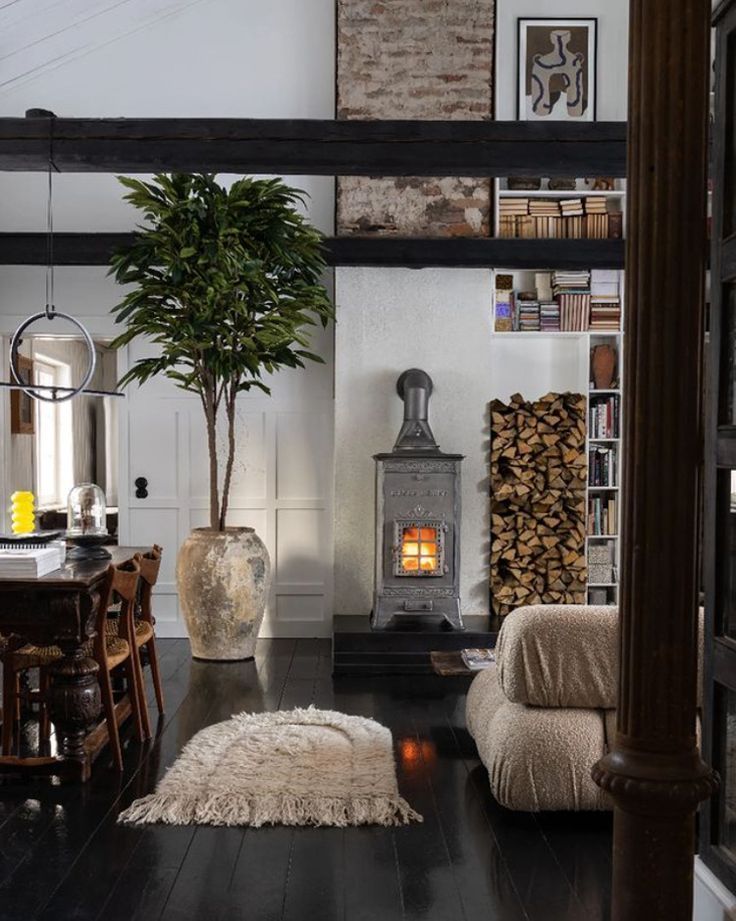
pixel 223 579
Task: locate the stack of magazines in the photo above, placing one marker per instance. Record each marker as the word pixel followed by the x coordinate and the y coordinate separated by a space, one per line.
pixel 478 659
pixel 26 563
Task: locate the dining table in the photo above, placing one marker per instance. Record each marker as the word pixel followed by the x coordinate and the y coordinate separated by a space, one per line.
pixel 61 609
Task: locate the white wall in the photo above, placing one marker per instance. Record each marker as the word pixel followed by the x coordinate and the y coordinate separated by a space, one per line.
pixel 209 58
pixel 439 320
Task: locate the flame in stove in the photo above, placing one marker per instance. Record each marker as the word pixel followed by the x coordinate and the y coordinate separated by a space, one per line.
pixel 419 550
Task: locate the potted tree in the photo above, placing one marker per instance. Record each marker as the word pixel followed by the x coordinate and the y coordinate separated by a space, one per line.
pixel 227 283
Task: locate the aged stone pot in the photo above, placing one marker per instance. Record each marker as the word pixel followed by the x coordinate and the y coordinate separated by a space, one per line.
pixel 223 579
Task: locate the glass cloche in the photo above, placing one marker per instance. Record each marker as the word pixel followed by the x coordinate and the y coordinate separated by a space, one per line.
pixel 86 512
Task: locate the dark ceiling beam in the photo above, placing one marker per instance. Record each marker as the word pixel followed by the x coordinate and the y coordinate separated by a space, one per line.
pixel 315 147
pixel 410 252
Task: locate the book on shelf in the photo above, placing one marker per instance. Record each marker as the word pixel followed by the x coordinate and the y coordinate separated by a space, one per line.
pixel 567 218
pixel 603 413
pixel 601 466
pixel 562 301
pixel 602 518
pixel 478 659
pixel 543 285
pixel 574 312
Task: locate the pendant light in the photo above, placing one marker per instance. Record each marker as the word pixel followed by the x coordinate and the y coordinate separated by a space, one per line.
pixel 52 394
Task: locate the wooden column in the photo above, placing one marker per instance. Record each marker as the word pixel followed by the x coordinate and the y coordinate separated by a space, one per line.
pixel 654 773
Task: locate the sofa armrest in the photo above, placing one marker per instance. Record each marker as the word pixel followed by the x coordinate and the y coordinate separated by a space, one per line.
pixel 560 656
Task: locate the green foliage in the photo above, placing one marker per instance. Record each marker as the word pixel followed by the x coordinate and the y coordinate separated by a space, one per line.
pixel 226 282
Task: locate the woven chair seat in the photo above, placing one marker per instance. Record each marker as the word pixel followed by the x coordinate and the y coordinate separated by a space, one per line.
pixel 143 630
pixel 116 650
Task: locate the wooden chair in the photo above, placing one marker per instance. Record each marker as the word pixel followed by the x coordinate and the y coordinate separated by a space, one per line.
pixel 108 651
pixel 144 622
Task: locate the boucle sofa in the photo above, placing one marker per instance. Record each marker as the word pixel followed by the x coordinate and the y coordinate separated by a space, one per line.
pixel 544 713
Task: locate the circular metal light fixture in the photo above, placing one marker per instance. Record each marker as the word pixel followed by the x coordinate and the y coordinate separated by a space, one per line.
pixel 51 394
pixel 42 393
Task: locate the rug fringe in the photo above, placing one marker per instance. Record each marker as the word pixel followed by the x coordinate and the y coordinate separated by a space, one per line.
pixel 269 809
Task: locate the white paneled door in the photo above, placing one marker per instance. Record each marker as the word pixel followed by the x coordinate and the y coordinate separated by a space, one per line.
pixel 282 486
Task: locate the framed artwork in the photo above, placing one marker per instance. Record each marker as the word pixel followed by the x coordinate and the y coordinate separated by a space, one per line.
pixel 22 414
pixel 557 79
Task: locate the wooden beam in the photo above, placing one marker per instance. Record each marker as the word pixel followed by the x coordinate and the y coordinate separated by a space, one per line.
pixel 408 252
pixel 314 147
pixel 654 772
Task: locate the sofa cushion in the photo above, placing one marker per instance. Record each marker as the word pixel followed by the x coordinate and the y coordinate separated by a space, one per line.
pixel 560 656
pixel 537 759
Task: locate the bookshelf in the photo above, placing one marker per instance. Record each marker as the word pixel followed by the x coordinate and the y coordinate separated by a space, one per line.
pixel 544 213
pixel 534 362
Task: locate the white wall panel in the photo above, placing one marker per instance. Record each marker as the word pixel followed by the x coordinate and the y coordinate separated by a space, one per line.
pixel 300 537
pixel 301 472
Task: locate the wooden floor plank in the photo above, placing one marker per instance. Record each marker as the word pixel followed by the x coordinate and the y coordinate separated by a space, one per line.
pixel 63 855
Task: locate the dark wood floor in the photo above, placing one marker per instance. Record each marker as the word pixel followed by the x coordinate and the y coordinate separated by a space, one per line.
pixel 63 857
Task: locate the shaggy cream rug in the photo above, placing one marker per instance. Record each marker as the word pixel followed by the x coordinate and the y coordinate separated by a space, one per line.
pixel 296 767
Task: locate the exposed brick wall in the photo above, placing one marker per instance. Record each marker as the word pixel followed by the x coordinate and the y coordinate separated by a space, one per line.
pixel 414 59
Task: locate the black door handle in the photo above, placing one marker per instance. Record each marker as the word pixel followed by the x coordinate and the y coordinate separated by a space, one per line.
pixel 140 487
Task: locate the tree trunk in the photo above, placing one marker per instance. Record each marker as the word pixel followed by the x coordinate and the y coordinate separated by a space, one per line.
pixel 211 419
pixel 230 410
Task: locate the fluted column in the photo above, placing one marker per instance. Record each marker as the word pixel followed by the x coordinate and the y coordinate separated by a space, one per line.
pixel 654 773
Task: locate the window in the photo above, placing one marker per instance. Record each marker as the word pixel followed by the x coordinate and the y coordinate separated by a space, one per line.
pixel 53 440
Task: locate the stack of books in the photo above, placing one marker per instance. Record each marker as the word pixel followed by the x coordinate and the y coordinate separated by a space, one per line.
pixel 509 211
pixel 504 320
pixel 605 315
pixel 605 301
pixel 549 316
pixel 17 563
pixel 527 307
pixel 571 282
pixel 572 207
pixel 596 204
pixel 585 218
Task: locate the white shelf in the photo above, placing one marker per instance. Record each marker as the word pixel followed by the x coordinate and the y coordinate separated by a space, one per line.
pixel 592 488
pixel 602 584
pixel 601 536
pixel 599 441
pixel 549 193
pixel 600 393
pixel 556 334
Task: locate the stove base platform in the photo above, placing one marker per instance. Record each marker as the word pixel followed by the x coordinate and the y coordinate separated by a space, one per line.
pixel 404 647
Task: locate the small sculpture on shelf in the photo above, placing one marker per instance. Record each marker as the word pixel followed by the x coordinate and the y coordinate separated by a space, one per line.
pixel 603 362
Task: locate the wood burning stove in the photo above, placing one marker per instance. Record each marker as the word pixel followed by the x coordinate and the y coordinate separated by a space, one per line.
pixel 417 518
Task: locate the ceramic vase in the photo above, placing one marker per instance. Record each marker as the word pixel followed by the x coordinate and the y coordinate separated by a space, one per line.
pixel 603 365
pixel 223 579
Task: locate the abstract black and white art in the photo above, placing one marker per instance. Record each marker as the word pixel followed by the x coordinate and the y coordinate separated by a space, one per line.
pixel 557 69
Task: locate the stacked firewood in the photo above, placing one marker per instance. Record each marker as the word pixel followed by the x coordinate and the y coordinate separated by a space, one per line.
pixel 538 501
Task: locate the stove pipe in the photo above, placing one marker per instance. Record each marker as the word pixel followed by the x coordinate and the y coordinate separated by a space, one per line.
pixel 415 388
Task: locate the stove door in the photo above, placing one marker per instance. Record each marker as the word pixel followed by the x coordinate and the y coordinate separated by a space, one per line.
pixel 419 548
